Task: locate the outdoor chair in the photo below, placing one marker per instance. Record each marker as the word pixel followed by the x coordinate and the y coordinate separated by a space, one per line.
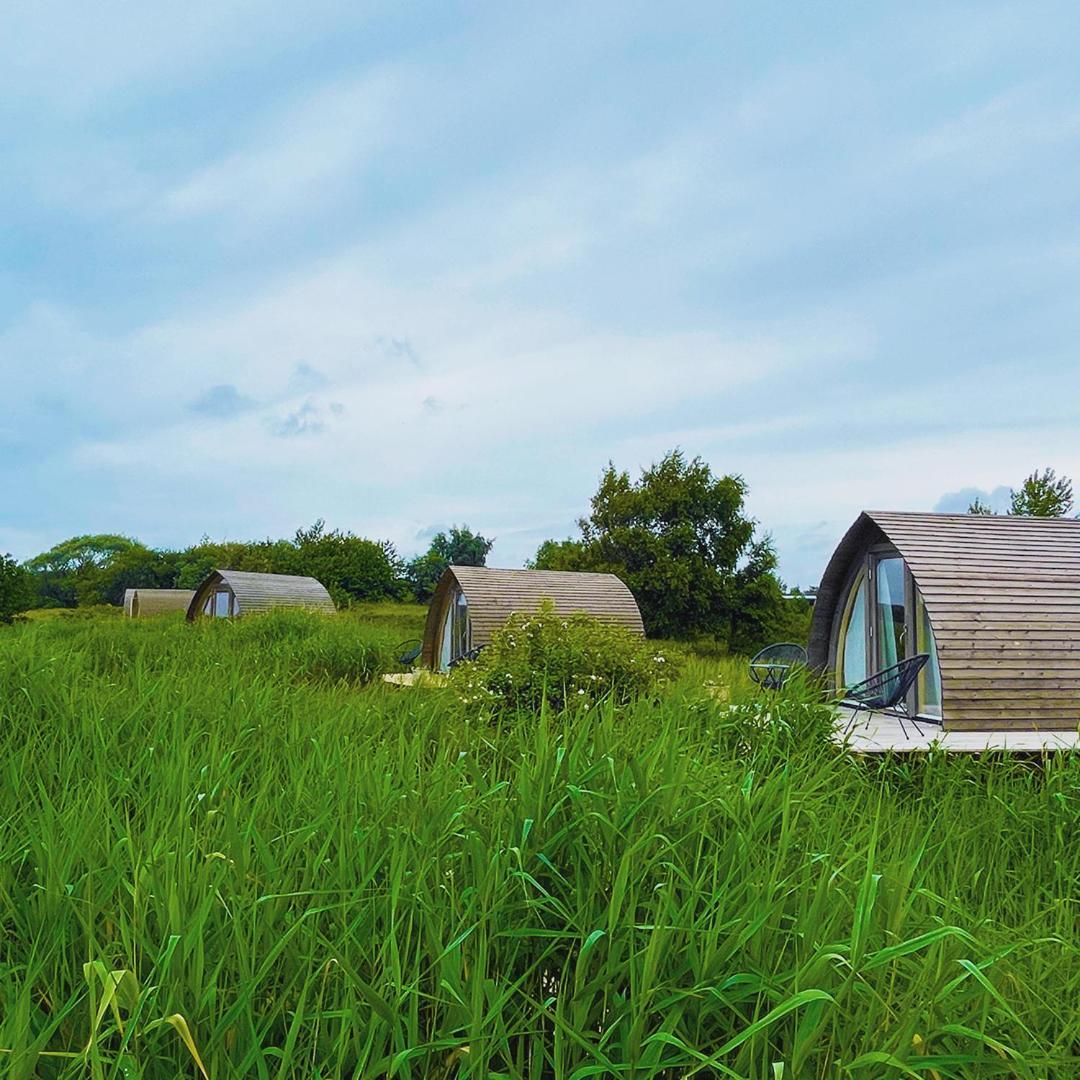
pixel 472 654
pixel 410 652
pixel 887 690
pixel 771 667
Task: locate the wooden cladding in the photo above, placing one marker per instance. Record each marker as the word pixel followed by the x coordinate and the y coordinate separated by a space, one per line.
pixel 250 593
pixel 1003 598
pixel 494 595
pixel 141 603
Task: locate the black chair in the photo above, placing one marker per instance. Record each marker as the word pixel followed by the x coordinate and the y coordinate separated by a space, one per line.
pixel 413 648
pixel 887 690
pixel 465 657
pixel 771 667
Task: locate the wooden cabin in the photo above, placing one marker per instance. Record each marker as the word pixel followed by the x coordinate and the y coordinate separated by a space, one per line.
pixel 140 603
pixel 472 602
pixel 228 593
pixel 993 600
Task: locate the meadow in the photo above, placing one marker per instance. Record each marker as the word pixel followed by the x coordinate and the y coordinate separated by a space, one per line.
pixel 230 850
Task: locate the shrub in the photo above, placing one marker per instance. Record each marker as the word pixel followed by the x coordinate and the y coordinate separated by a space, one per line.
pixel 15 591
pixel 565 659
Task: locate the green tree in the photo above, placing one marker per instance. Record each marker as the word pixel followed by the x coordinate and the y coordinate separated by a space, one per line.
pixel 460 547
pixel 682 541
pixel 70 573
pixel 1042 494
pixel 351 567
pixel 16 588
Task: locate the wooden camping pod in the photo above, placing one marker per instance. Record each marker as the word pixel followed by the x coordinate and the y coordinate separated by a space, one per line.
pixel 1002 595
pixel 491 596
pixel 237 592
pixel 141 603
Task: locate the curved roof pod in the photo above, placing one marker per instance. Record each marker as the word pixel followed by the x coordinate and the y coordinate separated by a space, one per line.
pixel 237 592
pixel 1002 597
pixel 491 596
pixel 145 602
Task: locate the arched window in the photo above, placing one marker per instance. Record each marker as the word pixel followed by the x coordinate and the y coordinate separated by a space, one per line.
pixel 885 620
pixel 851 642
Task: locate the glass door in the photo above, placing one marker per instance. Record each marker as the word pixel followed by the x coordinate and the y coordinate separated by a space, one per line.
pixel 890 612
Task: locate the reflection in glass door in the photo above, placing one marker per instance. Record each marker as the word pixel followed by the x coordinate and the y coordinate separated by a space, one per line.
pixel 890 612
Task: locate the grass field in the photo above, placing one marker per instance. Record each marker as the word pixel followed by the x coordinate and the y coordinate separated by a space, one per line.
pixel 230 847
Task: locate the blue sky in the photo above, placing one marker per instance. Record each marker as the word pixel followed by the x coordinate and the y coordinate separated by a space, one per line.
pixel 402 266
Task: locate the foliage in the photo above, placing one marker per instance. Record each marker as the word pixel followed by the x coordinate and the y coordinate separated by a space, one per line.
pixel 326 881
pixel 89 570
pixel 16 593
pixel 563 660
pixel 460 547
pixel 350 567
pixel 70 572
pixel 681 540
pixel 1042 494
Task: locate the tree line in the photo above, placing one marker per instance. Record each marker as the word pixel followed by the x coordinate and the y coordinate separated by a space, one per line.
pixel 91 570
pixel 679 536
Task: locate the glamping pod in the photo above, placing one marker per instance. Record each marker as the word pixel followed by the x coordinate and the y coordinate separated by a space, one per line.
pixel 226 593
pixel 472 602
pixel 994 602
pixel 140 603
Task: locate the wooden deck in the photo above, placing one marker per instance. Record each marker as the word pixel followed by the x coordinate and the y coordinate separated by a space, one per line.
pixel 877 733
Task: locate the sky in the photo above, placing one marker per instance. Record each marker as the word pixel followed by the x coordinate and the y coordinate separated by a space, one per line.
pixel 407 266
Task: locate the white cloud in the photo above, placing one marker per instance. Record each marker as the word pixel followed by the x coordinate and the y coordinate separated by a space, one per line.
pixel 299 156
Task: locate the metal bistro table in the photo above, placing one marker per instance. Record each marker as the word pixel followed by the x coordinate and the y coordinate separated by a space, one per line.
pixel 770 667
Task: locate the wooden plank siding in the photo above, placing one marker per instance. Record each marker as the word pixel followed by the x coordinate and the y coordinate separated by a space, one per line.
pixel 262 592
pixel 1003 596
pixel 493 595
pixel 145 602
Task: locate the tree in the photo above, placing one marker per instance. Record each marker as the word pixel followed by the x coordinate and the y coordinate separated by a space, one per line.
pixel 70 573
pixel 16 589
pixel 1042 494
pixel 461 547
pixel 681 540
pixel 350 567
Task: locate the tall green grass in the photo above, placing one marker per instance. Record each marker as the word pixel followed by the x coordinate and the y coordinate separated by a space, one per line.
pixel 222 847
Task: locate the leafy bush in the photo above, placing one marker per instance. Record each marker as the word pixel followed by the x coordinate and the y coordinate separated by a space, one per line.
pixel 565 659
pixel 15 592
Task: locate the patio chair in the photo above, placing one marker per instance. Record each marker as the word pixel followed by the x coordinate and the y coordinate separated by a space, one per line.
pixel 886 691
pixel 771 667
pixel 410 652
pixel 465 657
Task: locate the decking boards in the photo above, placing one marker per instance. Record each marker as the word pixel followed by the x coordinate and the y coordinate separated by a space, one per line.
pixel 877 733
